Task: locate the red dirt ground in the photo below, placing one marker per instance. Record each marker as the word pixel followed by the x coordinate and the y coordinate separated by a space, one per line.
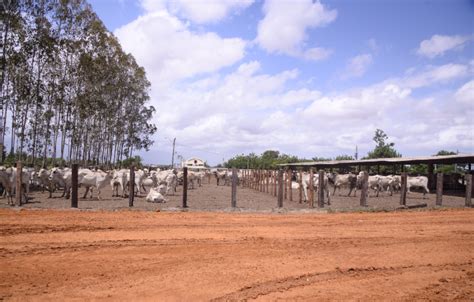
pixel 136 255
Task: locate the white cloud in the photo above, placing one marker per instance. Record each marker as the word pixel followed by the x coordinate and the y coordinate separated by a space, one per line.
pixel 357 66
pixel 198 11
pixel 247 109
pixel 251 111
pixel 316 54
pixel 438 45
pixel 435 75
pixel 169 51
pixel 465 94
pixel 283 29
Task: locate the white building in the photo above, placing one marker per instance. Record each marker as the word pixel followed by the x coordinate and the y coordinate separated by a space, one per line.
pixel 194 163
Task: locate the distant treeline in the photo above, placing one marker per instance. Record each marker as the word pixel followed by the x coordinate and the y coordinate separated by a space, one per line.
pixel 270 159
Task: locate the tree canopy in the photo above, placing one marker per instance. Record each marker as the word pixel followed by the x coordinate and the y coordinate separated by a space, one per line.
pixel 68 89
pixel 382 148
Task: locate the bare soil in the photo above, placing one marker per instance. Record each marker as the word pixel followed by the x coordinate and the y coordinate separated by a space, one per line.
pixel 198 256
pixel 211 197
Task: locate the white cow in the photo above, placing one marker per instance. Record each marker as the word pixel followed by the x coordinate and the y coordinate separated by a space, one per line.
pixel 418 182
pixel 222 176
pixel 119 179
pixel 8 181
pixel 373 182
pixel 171 182
pixel 94 179
pixel 305 182
pixel 343 180
pixel 62 178
pixel 150 181
pixel 155 196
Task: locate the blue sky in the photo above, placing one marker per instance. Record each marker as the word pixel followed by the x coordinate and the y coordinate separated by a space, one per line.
pixel 306 78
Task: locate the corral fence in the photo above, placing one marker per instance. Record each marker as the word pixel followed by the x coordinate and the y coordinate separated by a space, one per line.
pixel 278 184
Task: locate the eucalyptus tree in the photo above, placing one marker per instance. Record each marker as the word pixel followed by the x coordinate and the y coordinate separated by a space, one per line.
pixel 69 86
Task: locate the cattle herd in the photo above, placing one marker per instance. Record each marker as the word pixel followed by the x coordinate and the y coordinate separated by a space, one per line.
pixel 351 181
pixel 157 184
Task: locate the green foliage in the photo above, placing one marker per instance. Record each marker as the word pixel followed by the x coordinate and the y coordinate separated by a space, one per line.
pixel 344 157
pixel 417 169
pixel 67 85
pixel 382 148
pixel 444 152
pixel 446 169
pixel 269 159
pixel 128 162
pixel 316 158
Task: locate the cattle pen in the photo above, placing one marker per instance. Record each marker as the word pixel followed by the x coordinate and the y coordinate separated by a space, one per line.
pixel 293 186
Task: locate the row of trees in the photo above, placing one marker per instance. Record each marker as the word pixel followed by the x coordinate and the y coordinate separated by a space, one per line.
pixel 68 90
pixel 270 159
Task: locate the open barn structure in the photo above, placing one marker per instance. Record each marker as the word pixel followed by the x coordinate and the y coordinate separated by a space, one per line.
pixel 394 165
pixel 461 180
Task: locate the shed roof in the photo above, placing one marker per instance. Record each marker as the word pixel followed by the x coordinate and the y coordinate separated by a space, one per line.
pixel 442 159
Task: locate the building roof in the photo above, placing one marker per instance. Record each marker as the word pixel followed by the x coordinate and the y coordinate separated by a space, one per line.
pixel 442 159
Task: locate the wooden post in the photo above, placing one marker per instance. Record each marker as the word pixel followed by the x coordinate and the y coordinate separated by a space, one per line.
pixel 275 183
pixel 19 174
pixel 74 183
pixel 403 190
pixel 280 188
pixel 431 177
pixel 261 181
pixel 439 189
pixel 311 188
pixel 244 178
pixel 285 186
pixel 290 189
pixel 321 189
pixel 185 187
pixel 365 188
pixel 233 201
pixel 267 181
pixel 131 195
pixel 468 189
pixel 300 182
pixel 255 179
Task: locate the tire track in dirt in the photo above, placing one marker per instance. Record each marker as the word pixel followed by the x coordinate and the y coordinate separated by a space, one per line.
pixel 18 229
pixel 256 290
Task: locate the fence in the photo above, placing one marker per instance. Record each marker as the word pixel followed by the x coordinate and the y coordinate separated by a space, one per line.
pixel 276 183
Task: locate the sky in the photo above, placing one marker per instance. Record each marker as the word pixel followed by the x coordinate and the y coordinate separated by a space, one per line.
pixel 306 78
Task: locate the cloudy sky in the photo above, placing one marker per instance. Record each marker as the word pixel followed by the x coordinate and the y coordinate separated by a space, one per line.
pixel 305 78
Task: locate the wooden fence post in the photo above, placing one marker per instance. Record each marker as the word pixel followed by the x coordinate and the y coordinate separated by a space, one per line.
pixel 185 187
pixel 19 174
pixel 275 183
pixel 233 201
pixel 468 189
pixel 300 182
pixel 131 195
pixel 290 188
pixel 311 188
pixel 280 188
pixel 267 180
pixel 403 190
pixel 439 189
pixel 321 189
pixel 285 186
pixel 74 183
pixel 365 188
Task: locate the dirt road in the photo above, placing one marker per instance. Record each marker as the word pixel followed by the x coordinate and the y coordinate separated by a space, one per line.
pixel 133 255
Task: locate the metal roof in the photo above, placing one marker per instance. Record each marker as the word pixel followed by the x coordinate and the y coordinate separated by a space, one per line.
pixel 442 159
